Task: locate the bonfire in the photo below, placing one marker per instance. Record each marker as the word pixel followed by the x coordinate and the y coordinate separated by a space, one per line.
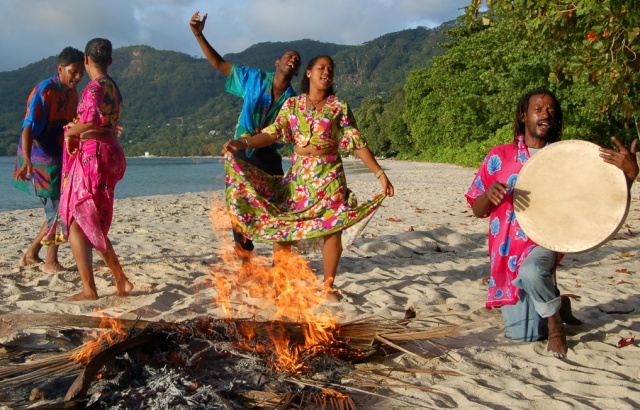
pixel 273 342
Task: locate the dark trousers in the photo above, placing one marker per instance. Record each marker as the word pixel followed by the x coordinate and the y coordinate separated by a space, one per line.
pixel 267 160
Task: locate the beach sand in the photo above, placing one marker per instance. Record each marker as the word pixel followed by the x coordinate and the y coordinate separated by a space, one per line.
pixel 423 249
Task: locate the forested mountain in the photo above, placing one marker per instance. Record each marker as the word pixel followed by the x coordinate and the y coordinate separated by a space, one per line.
pixel 175 104
pixel 442 95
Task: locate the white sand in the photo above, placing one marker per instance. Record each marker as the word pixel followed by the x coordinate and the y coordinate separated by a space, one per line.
pixel 422 249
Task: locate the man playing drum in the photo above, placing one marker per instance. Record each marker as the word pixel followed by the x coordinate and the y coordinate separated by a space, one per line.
pixel 523 281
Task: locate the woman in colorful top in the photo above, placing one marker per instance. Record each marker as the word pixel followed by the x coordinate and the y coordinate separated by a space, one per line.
pixel 93 163
pixel 312 199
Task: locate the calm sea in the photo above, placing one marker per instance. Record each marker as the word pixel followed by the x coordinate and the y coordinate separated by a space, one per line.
pixel 144 177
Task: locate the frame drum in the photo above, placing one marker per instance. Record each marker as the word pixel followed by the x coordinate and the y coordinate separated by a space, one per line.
pixel 568 199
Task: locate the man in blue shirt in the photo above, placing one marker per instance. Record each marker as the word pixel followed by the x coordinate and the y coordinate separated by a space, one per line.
pixel 51 105
pixel 263 94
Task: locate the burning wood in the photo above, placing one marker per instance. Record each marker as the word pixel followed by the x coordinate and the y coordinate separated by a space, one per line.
pixel 228 363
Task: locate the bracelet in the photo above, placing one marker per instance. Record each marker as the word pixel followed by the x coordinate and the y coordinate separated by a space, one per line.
pixel 379 173
pixel 246 141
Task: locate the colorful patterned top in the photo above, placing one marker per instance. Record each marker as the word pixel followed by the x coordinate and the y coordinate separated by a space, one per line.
pixel 258 110
pixel 101 104
pixel 508 244
pixel 50 107
pixel 334 123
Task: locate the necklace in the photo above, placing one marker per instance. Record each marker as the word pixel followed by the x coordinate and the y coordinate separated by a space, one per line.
pixel 313 104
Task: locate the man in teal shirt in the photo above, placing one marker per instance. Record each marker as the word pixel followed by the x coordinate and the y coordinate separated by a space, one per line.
pixel 263 94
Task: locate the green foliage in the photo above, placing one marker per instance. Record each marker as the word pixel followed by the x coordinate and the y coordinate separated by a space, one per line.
pixel 585 51
pixel 470 92
pixel 373 69
pixel 593 52
pixel 382 124
pixel 411 99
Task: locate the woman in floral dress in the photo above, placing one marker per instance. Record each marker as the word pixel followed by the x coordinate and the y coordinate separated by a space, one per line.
pixel 311 200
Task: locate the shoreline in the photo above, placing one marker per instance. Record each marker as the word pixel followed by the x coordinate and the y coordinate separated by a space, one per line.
pixel 423 249
pixel 30 202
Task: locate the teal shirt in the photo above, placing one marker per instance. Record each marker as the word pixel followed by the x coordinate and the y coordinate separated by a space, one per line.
pixel 255 86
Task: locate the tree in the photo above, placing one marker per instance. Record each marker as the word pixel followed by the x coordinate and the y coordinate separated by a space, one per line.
pixel 595 59
pixel 381 122
pixel 585 51
pixel 455 108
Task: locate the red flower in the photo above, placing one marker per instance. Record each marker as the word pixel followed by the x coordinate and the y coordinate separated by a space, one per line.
pixel 592 36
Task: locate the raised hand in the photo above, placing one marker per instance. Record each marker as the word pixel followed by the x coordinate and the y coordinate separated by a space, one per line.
pixel 196 24
pixel 625 159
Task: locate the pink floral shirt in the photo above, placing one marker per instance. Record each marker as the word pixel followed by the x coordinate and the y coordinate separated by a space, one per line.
pixel 508 244
pixel 101 104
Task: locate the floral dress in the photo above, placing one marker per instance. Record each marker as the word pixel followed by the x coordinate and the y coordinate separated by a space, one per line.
pixel 312 199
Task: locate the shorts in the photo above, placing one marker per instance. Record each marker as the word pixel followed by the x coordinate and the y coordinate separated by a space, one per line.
pixel 50 209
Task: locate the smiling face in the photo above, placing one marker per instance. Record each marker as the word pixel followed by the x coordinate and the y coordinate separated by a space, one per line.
pixel 540 118
pixel 70 75
pixel 321 74
pixel 289 63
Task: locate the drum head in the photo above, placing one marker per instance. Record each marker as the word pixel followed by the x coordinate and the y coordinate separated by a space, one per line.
pixel 568 199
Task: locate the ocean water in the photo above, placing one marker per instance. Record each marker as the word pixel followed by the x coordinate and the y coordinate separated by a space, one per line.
pixel 144 177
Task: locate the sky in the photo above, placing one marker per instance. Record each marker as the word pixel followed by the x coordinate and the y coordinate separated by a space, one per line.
pixel 31 30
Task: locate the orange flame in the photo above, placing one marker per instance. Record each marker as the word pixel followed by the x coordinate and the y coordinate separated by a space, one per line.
pixel 115 334
pixel 285 290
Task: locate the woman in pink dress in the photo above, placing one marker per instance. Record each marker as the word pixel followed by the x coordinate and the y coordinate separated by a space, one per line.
pixel 93 163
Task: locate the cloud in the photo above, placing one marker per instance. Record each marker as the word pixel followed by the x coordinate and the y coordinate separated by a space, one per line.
pixel 35 29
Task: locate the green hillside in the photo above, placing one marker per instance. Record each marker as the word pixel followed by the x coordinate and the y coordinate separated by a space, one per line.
pixel 175 104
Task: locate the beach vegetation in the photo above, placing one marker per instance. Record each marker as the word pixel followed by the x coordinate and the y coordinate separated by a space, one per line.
pixel 585 51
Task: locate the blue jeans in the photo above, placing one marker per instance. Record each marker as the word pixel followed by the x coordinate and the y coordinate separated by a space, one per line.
pixel 538 299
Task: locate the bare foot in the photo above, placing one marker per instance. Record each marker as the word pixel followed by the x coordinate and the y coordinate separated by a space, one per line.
pixel 557 343
pixel 242 254
pixel 52 268
pixel 332 296
pixel 29 260
pixel 123 288
pixel 83 296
